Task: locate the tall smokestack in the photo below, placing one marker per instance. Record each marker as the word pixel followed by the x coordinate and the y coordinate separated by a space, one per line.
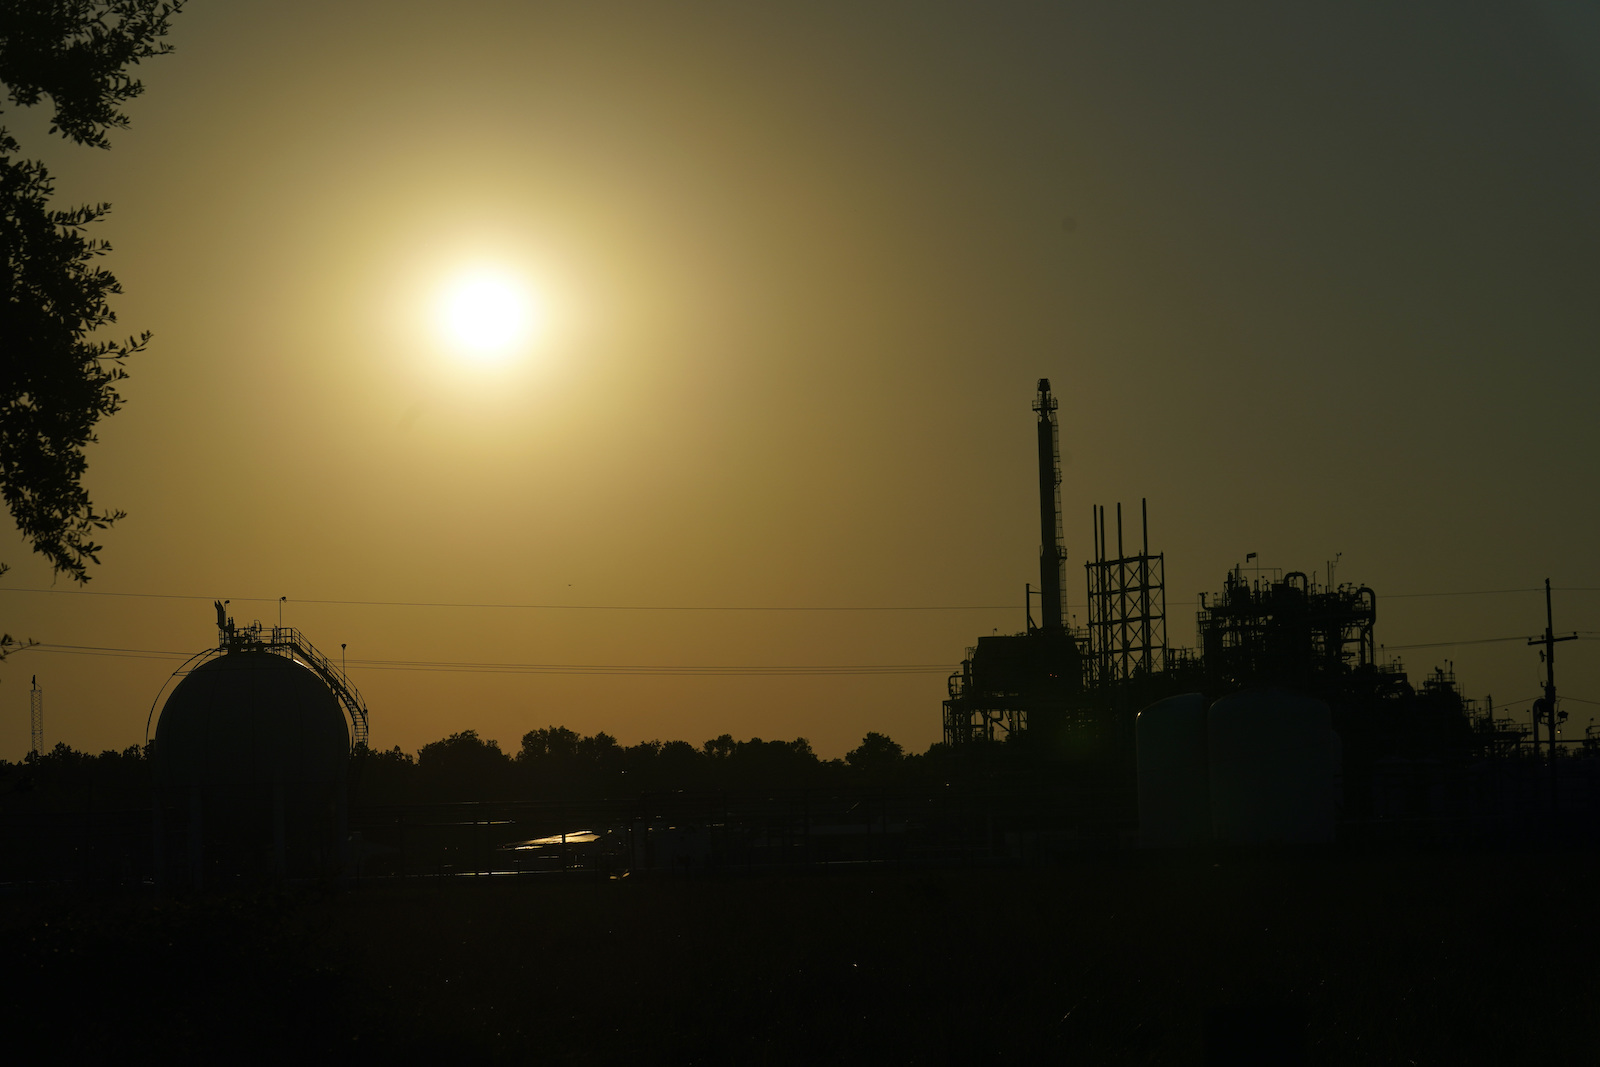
pixel 1051 552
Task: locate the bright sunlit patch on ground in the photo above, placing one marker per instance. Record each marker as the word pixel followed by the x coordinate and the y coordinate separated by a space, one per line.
pixel 577 837
pixel 488 314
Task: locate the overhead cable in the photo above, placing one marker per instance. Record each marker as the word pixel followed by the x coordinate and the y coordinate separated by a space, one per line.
pixel 703 670
pixel 1450 644
pixel 682 607
pixel 530 607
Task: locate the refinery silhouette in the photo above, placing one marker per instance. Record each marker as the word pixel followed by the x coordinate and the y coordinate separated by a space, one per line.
pixel 1284 726
pixel 1282 762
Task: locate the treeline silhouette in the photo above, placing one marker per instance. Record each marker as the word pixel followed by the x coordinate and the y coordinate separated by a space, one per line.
pixel 66 778
pixel 557 763
pixel 553 763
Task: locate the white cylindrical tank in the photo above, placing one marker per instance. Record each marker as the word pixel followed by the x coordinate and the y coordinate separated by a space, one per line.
pixel 1272 769
pixel 1174 785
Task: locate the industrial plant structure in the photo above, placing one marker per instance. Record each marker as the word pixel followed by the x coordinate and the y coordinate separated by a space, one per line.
pixel 1070 686
pixel 1072 696
pixel 251 753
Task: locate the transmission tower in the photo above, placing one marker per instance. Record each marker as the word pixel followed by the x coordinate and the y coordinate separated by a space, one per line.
pixel 36 705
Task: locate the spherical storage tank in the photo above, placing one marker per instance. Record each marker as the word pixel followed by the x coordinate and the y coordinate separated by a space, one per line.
pixel 252 718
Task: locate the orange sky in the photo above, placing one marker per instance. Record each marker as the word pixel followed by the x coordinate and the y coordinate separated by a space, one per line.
pixel 1310 283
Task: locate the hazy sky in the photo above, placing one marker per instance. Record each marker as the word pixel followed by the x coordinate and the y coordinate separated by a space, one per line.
pixel 1313 279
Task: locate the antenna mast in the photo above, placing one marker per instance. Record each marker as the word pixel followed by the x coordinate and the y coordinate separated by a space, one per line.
pixel 36 706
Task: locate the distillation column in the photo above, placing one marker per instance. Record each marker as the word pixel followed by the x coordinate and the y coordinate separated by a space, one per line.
pixel 1051 551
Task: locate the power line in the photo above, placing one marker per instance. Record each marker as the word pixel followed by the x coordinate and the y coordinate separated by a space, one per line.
pixel 1475 592
pixel 1451 644
pixel 112 653
pixel 530 607
pixel 685 607
pixel 666 670
pixel 703 670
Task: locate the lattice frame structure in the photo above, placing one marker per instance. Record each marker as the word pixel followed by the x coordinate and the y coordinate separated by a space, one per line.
pixel 1127 607
pixel 36 715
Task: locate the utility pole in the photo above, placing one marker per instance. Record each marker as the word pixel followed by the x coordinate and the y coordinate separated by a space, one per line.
pixel 1546 708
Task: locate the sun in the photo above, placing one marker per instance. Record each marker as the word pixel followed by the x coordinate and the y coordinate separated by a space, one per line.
pixel 487 314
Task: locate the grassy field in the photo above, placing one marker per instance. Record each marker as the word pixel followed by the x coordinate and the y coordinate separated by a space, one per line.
pixel 1441 958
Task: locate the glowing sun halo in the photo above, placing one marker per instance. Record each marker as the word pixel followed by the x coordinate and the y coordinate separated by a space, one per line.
pixel 486 315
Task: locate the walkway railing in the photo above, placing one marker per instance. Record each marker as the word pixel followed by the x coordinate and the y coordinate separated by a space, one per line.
pixel 291 643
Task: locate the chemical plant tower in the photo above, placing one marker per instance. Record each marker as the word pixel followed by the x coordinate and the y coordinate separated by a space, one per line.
pixel 1011 681
pixel 1051 551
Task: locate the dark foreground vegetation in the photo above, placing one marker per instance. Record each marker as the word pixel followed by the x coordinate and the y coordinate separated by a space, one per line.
pixel 749 902
pixel 1114 959
pixel 554 763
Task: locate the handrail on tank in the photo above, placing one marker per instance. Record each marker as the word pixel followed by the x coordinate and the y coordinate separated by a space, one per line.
pixel 183 668
pixel 289 642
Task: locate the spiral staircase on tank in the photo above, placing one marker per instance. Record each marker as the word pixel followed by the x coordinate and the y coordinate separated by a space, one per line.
pixel 290 643
pixel 285 641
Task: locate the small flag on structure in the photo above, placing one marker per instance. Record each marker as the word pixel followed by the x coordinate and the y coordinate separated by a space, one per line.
pixel 1249 556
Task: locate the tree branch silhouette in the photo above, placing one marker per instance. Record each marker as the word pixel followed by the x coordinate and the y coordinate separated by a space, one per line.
pixel 57 379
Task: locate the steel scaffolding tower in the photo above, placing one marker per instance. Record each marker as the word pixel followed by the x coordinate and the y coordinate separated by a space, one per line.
pixel 36 706
pixel 1127 605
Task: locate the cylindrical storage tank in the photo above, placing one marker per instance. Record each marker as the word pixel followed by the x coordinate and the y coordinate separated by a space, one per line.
pixel 252 718
pixel 1272 756
pixel 1173 771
